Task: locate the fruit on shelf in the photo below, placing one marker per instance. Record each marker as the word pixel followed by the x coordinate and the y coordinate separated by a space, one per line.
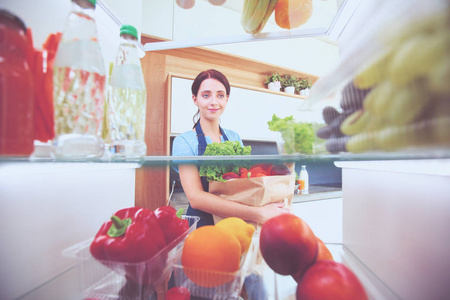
pixel 288 244
pixel 323 253
pixel 186 4
pixel 291 14
pixel 240 229
pixel 210 256
pixel 330 280
pixel 178 293
pixel 217 2
pixel 256 13
pixel 414 59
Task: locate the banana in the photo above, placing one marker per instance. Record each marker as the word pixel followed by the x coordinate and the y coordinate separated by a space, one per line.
pixel 256 13
pixel 439 79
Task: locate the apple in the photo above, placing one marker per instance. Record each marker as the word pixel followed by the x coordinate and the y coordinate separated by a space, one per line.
pixel 217 2
pixel 330 280
pixel 280 169
pixel 287 244
pixel 178 293
pixel 186 4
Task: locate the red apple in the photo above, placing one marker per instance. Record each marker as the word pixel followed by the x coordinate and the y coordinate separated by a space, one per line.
pixel 186 4
pixel 287 244
pixel 178 293
pixel 217 2
pixel 330 280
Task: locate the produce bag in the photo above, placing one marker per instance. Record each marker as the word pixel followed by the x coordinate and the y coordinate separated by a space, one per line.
pixel 256 191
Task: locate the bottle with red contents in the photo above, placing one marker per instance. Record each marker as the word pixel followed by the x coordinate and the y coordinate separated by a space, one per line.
pixel 78 86
pixel 16 88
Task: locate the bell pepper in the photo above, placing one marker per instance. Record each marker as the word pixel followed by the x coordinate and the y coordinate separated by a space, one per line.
pixel 171 223
pixel 257 172
pixel 244 173
pixel 132 235
pixel 230 175
pixel 265 166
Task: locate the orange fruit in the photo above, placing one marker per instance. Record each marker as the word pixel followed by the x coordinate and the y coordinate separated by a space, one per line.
pixel 293 13
pixel 211 256
pixel 323 253
pixel 240 229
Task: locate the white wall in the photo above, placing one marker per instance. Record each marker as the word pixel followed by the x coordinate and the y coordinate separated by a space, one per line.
pixel 247 111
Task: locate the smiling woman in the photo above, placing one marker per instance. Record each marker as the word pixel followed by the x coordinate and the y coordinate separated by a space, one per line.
pixel 210 93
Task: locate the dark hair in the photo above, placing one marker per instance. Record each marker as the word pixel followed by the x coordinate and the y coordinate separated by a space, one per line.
pixel 211 73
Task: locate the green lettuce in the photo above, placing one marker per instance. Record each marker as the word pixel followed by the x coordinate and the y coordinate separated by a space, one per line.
pixel 213 171
pixel 298 136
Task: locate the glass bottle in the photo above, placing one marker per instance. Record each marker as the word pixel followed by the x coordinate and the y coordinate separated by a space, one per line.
pixel 304 180
pixel 16 88
pixel 78 86
pixel 127 100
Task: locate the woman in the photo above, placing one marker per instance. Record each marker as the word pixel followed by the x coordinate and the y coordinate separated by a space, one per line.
pixel 210 93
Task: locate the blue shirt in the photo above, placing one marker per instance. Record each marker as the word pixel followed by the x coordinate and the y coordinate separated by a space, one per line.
pixel 186 144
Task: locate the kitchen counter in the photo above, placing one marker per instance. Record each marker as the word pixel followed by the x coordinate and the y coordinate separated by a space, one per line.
pixel 316 193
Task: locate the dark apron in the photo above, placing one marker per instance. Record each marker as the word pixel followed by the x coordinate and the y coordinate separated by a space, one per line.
pixel 205 218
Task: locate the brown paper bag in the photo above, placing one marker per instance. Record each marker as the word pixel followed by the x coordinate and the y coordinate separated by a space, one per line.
pixel 256 191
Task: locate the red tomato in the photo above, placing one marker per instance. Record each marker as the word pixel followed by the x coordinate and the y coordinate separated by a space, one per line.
pixel 330 280
pixel 287 244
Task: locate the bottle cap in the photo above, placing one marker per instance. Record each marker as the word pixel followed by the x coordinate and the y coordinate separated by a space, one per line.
pixel 128 29
pixel 303 166
pixel 93 1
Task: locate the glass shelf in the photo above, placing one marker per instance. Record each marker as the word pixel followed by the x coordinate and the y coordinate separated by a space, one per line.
pixel 200 26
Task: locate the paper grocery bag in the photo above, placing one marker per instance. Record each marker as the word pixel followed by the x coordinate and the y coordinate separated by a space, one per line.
pixel 256 191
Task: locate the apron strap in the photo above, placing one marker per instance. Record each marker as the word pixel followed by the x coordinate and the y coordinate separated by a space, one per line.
pixel 205 218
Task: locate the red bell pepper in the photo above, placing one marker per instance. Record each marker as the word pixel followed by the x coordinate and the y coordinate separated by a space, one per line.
pixel 230 175
pixel 244 173
pixel 132 235
pixel 265 166
pixel 171 223
pixel 257 172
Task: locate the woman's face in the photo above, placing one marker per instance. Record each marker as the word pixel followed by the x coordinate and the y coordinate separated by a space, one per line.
pixel 211 99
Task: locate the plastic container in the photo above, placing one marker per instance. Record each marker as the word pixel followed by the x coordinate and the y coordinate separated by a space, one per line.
pixel 119 280
pixel 230 290
pixel 78 86
pixel 126 102
pixel 16 86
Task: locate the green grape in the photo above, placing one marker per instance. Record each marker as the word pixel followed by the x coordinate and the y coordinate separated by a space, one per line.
pixel 418 57
pixel 379 98
pixel 374 73
pixel 355 123
pixel 407 103
pixel 362 142
pixel 438 80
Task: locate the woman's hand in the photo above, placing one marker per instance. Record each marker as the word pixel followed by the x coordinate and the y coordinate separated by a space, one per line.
pixel 271 210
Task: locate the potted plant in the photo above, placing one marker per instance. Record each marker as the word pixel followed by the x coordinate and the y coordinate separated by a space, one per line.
pixel 304 86
pixel 273 81
pixel 290 84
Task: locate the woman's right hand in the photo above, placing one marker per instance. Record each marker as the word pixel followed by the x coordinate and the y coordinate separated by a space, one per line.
pixel 271 210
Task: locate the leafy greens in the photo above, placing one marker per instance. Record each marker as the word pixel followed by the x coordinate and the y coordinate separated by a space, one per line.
pixel 214 170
